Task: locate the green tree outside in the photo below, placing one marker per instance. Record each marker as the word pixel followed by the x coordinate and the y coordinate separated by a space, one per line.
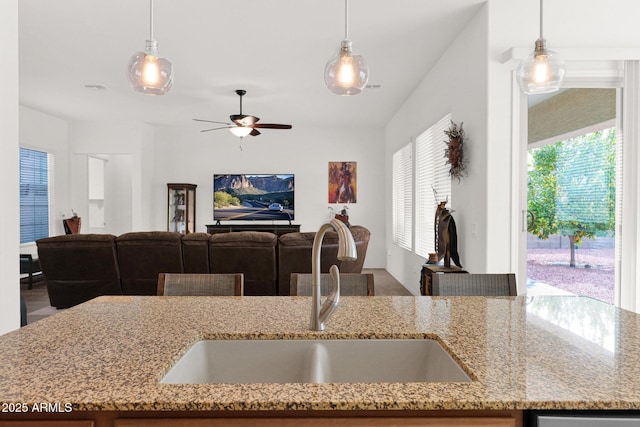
pixel 571 188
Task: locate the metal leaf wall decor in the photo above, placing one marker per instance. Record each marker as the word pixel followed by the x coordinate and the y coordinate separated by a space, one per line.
pixel 454 153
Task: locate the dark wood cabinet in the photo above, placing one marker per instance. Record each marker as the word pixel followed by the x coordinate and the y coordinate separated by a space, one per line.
pixel 277 229
pixel 181 202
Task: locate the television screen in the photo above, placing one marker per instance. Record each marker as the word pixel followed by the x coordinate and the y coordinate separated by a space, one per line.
pixel 253 197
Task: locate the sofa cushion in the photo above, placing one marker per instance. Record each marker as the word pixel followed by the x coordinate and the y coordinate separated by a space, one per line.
pixel 306 238
pixel 142 238
pixel 195 253
pixel 244 238
pixel 142 256
pixel 250 252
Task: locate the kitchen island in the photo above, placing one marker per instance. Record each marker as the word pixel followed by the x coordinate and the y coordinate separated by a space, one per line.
pixel 103 360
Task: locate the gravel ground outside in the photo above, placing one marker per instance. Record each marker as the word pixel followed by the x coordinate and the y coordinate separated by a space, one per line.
pixel 593 275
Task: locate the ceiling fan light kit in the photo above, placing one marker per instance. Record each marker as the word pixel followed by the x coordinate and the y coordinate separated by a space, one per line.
pixel 346 73
pixel 240 131
pixel 147 72
pixel 242 125
pixel 543 71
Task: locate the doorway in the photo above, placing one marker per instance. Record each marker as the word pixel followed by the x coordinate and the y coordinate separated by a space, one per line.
pixel 572 182
pixel 102 192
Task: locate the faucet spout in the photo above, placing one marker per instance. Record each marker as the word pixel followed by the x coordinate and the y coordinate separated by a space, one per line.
pixel 320 312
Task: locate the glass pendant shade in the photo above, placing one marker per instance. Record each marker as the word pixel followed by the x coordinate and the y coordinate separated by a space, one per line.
pixel 541 72
pixel 240 131
pixel 346 73
pixel 148 73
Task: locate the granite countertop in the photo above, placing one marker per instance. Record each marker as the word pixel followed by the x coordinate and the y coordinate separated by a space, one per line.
pixel 524 353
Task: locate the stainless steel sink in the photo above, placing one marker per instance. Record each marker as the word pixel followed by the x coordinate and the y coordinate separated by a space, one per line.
pixel 315 361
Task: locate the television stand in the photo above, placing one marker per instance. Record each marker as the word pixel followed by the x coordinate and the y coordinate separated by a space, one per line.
pixel 277 229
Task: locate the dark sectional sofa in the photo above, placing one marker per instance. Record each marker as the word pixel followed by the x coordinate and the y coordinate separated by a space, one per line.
pixel 79 267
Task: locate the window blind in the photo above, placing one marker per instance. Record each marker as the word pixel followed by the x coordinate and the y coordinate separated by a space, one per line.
pixel 432 175
pixel 34 195
pixel 585 180
pixel 402 210
pixel 570 111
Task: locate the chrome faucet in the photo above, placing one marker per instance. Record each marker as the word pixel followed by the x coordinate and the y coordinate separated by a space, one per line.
pixel 320 312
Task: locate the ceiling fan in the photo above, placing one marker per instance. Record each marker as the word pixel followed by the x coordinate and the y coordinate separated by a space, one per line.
pixel 242 124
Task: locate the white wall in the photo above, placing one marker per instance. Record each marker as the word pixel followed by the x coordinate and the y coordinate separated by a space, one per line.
pixel 185 155
pixel 39 131
pixel 118 193
pixel 456 84
pixel 117 203
pixel 9 160
pixel 143 181
pixel 123 143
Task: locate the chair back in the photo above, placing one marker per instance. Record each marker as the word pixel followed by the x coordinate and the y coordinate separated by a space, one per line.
pixel 474 284
pixel 350 284
pixel 172 284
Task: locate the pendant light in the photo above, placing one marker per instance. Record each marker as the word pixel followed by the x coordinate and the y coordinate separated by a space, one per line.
pixel 346 73
pixel 543 71
pixel 146 71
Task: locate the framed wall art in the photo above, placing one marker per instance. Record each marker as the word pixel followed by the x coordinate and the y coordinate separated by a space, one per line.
pixel 343 184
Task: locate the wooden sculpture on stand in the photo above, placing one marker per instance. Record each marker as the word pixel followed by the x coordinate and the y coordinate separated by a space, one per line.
pixel 446 236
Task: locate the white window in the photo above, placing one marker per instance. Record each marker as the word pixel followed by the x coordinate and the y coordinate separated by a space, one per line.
pixel 35 169
pixel 433 183
pixel 402 211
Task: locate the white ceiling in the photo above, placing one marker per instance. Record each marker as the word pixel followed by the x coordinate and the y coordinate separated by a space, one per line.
pixel 275 49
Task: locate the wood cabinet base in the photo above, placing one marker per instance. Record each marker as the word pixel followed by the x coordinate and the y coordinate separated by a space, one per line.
pixel 321 422
pixel 270 419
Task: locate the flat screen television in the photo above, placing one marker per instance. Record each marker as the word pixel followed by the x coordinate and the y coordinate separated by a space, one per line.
pixel 264 197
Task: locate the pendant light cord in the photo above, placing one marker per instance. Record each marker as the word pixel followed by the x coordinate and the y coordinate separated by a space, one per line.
pixel 541 37
pixel 150 19
pixel 346 19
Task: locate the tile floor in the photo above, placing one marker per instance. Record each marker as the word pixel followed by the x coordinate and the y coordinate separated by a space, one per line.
pixel 540 288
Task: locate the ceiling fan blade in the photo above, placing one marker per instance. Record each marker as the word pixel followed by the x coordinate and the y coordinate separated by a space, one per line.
pixel 243 119
pixel 254 132
pixel 223 127
pixel 211 121
pixel 271 126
